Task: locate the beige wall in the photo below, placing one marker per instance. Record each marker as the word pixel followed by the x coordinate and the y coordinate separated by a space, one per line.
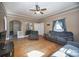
pixel 2 13
pixel 71 19
pixel 1 23
pixel 24 22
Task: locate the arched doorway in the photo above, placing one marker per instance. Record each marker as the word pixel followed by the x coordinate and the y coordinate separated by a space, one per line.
pixel 14 27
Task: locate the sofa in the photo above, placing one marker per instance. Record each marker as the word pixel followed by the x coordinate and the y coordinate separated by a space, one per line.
pixel 59 37
pixel 71 49
pixel 2 35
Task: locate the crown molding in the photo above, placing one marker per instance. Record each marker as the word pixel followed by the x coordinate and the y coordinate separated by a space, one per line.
pixel 19 15
pixel 65 11
pixel 20 18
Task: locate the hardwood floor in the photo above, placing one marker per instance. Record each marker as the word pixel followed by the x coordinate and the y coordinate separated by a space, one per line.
pixel 24 45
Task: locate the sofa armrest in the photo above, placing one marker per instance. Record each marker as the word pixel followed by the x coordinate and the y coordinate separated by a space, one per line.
pixel 76 44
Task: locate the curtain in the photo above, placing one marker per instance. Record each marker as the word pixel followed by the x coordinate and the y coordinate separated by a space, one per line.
pixel 59 25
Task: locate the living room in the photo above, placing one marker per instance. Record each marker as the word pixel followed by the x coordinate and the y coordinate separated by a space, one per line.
pixel 39 29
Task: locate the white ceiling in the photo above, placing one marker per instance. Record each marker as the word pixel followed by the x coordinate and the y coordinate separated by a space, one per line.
pixel 22 8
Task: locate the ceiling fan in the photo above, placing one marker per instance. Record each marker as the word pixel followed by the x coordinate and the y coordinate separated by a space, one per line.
pixel 38 9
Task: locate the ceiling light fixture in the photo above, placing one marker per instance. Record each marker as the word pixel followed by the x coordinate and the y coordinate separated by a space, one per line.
pixel 38 10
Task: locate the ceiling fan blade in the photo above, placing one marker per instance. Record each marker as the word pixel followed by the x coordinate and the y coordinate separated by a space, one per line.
pixel 32 10
pixel 41 12
pixel 43 9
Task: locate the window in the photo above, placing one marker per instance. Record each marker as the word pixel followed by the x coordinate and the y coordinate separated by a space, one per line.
pixel 30 26
pixel 59 25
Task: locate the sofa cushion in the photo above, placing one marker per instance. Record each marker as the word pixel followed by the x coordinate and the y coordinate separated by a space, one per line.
pixel 72 53
pixel 76 44
pixel 72 50
pixel 61 40
pixel 67 46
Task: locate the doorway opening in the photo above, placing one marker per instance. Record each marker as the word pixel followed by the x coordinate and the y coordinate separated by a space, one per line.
pixel 14 27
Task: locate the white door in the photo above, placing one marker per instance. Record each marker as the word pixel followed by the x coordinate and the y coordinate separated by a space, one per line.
pixel 39 27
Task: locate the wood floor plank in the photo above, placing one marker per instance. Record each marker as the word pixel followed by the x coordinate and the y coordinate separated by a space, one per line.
pixel 24 45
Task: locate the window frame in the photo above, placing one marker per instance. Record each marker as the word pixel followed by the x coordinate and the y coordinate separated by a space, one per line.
pixel 63 23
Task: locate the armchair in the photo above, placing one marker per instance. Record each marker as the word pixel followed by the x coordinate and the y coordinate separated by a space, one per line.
pixel 33 35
